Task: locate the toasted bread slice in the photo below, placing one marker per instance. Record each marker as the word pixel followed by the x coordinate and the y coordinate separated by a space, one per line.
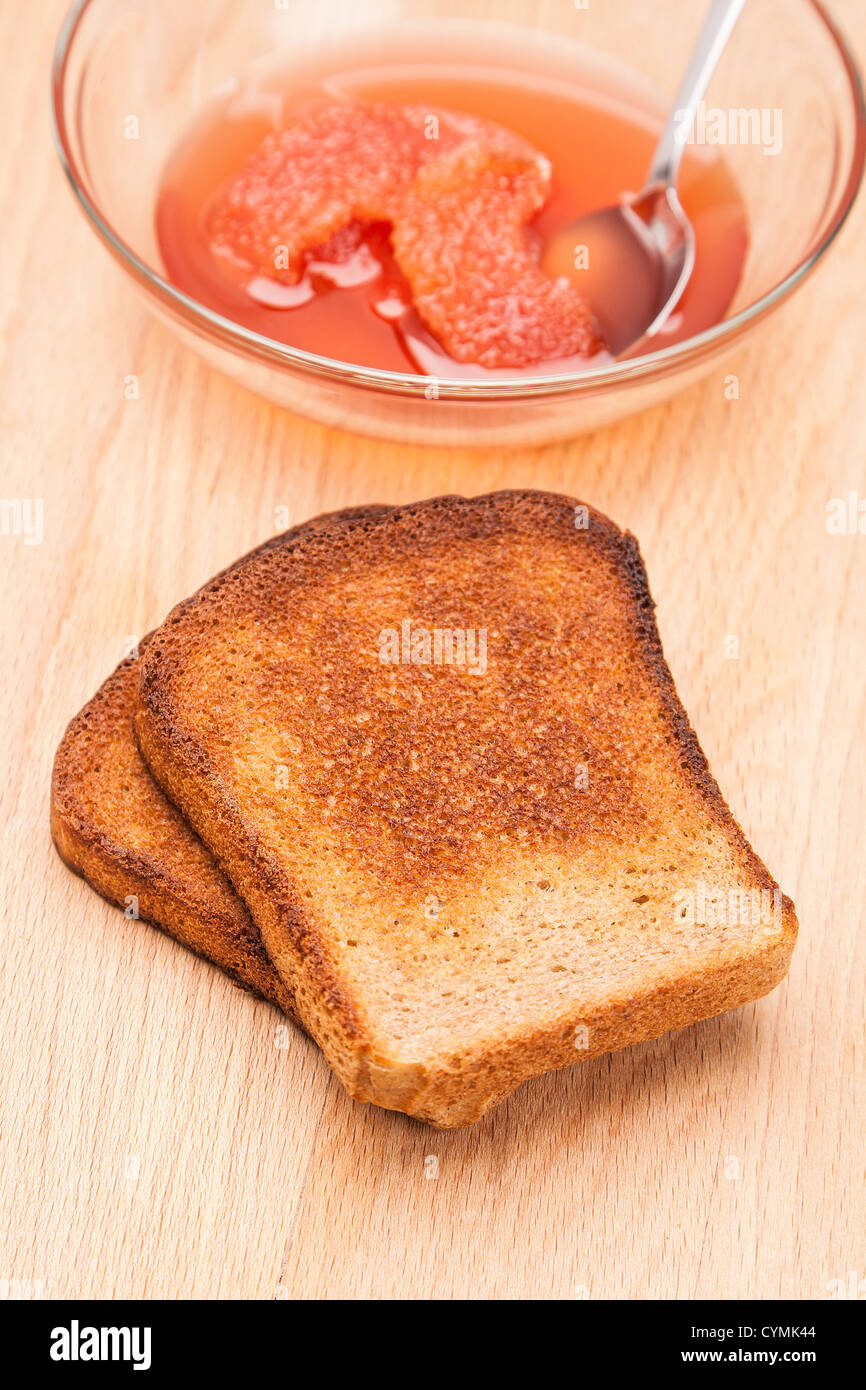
pixel 112 824
pixel 468 871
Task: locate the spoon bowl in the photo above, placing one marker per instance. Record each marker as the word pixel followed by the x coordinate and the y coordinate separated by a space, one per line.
pixel 631 263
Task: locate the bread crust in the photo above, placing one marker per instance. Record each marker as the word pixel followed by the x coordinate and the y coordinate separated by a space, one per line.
pixel 113 826
pixel 175 883
pixel 454 1086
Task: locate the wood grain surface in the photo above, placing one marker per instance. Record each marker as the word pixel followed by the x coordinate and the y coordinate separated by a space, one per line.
pixel 157 1138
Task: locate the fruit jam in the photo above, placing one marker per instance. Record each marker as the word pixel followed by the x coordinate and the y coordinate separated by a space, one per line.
pixel 594 123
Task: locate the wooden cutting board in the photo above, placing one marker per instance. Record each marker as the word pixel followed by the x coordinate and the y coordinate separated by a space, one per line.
pixel 162 1133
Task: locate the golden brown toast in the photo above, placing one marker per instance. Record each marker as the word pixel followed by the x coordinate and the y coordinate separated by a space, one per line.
pixel 112 824
pixel 467 871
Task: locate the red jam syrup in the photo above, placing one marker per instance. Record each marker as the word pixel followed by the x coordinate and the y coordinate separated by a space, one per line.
pixel 390 208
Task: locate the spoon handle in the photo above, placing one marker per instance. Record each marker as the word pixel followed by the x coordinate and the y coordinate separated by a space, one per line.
pixel 717 30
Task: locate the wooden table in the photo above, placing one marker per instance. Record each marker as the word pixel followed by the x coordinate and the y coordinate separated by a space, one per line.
pixel 155 1140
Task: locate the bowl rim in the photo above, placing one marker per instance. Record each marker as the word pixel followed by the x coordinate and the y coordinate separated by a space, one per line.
pixel 252 344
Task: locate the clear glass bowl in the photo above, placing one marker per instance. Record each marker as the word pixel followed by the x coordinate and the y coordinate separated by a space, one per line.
pixel 160 60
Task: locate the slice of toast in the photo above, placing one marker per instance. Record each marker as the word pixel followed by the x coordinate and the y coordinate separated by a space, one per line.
pixel 113 825
pixel 444 763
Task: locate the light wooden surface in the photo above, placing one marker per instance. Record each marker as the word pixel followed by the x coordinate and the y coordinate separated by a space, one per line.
pixel 155 1139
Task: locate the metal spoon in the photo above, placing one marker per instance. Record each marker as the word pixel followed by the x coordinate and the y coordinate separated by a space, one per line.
pixel 632 261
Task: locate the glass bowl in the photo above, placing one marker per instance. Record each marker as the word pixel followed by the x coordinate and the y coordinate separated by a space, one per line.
pixel 146 67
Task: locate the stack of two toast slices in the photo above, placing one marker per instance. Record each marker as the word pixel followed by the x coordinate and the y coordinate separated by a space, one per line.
pixel 420 777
